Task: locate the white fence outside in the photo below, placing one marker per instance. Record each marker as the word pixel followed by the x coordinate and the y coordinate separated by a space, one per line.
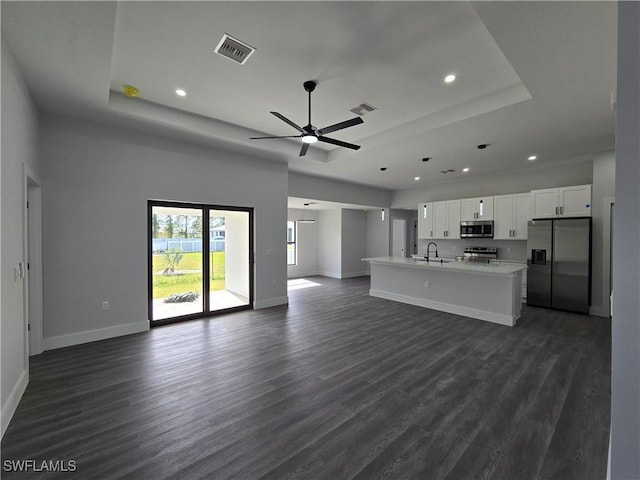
pixel 187 245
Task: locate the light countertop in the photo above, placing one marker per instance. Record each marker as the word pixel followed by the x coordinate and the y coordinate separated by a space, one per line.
pixel 450 265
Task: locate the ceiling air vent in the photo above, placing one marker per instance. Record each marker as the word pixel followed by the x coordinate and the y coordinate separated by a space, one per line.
pixel 234 49
pixel 363 108
pixel 449 170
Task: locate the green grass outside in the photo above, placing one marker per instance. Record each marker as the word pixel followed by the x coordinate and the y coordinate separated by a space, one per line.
pixel 166 285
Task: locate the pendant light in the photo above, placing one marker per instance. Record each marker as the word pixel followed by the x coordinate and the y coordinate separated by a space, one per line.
pixel 426 193
pixel 382 170
pixel 481 147
pixel 304 218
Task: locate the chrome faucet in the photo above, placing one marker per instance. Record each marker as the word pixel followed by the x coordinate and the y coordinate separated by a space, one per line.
pixel 429 245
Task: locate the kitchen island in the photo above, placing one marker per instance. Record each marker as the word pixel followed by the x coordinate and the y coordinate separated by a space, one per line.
pixel 489 292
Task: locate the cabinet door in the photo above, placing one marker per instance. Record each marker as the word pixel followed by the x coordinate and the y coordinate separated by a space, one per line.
pixel 545 203
pixel 487 208
pixel 503 217
pixel 469 209
pixel 425 220
pixel 453 219
pixel 575 201
pixel 440 219
pixel 521 215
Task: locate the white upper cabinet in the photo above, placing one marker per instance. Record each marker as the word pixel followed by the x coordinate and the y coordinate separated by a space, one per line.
pixel 425 220
pixel 575 201
pixel 511 216
pixel 453 214
pixel 522 215
pixel 561 202
pixel 446 219
pixel 470 209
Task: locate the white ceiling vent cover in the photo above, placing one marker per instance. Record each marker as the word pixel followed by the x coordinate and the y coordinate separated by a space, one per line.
pixel 234 49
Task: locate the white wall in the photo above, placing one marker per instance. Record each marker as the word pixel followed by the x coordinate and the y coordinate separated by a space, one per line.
pixel 98 180
pixel 576 173
pixel 625 368
pixel 330 243
pixel 306 244
pixel 330 190
pixel 354 243
pixel 603 190
pixel 19 157
pixel 378 235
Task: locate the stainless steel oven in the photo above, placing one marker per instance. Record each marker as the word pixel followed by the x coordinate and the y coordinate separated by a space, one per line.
pixel 476 229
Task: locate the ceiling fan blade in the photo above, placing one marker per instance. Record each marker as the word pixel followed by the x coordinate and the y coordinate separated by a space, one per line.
pixel 340 143
pixel 303 150
pixel 287 136
pixel 341 125
pixel 286 120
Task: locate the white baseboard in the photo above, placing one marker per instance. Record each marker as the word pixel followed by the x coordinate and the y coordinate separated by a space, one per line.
pixel 9 408
pixel 598 312
pixel 309 273
pixel 340 275
pixel 492 317
pixel 61 341
pixel 270 302
pixel 362 273
pixel 330 274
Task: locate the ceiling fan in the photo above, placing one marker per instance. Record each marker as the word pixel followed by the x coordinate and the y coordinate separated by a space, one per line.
pixel 310 134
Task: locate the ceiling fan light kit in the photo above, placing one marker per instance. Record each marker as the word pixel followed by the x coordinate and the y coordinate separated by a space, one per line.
pixel 310 134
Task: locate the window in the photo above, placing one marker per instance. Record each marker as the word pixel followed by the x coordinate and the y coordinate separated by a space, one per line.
pixel 291 243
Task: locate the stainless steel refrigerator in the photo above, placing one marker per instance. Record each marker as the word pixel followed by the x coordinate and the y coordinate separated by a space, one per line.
pixel 559 261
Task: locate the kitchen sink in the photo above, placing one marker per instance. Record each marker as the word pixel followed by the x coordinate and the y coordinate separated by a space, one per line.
pixel 434 260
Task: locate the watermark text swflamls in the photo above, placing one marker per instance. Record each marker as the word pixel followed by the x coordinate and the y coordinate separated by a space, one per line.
pixel 31 465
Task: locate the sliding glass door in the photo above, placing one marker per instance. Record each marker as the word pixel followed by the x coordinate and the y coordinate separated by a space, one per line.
pixel 199 260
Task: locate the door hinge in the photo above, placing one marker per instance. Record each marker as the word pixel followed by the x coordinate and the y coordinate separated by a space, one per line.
pixel 28 327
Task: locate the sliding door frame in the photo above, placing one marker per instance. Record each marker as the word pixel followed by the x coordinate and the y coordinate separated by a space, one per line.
pixel 206 281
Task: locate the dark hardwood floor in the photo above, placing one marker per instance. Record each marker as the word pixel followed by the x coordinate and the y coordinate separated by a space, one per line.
pixel 337 385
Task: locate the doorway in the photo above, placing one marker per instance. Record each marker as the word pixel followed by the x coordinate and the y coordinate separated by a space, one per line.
pixel 33 267
pixel 199 260
pixel 399 237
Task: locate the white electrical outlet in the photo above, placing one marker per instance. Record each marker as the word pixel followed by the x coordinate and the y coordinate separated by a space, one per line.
pixel 427 284
pixel 105 305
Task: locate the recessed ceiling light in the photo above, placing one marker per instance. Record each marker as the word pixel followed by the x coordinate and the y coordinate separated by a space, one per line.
pixel 180 92
pixel 532 157
pixel 416 178
pixel 449 78
pixel 465 169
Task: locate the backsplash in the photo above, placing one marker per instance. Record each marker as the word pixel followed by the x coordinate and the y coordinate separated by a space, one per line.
pixel 507 249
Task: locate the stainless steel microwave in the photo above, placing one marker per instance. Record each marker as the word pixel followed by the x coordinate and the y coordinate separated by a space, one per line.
pixel 476 229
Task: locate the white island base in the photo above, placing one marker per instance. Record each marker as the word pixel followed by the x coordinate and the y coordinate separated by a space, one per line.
pixel 486 292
